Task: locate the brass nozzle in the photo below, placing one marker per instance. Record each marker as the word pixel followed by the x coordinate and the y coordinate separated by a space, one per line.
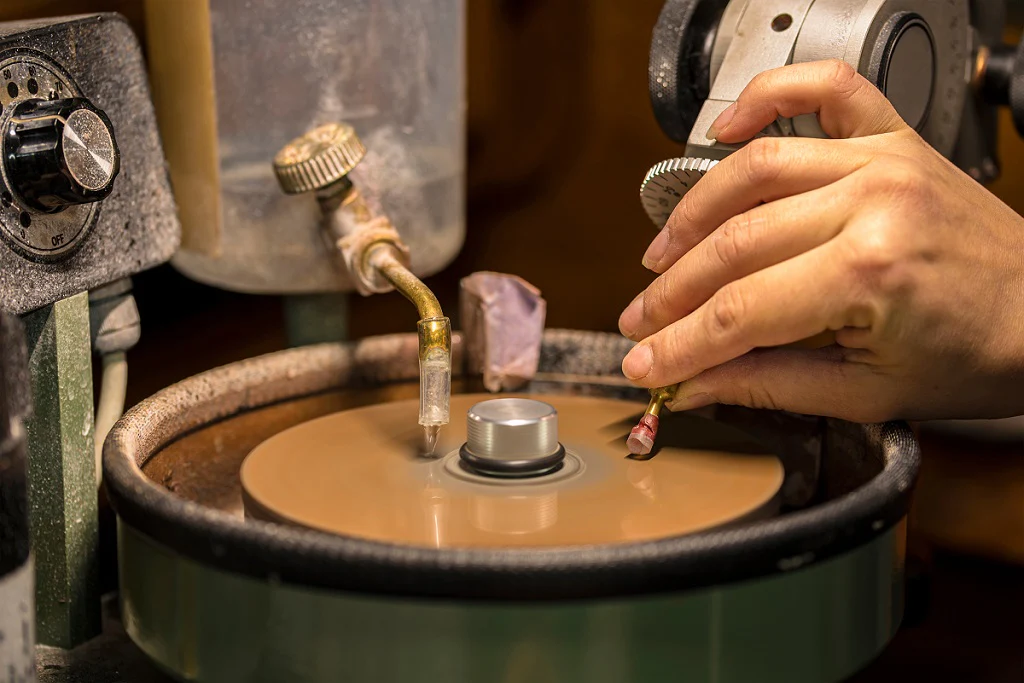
pixel 659 397
pixel 435 338
pixel 381 258
pixel 434 333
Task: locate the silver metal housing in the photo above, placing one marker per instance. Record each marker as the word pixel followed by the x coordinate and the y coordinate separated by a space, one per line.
pixel 853 31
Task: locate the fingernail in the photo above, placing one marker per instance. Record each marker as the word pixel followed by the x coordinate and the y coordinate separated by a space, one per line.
pixel 656 252
pixel 638 363
pixel 632 317
pixel 722 122
pixel 691 401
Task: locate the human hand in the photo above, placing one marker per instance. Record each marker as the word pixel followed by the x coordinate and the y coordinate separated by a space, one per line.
pixel 872 234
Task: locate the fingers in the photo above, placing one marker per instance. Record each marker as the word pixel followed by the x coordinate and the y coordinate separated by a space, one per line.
pixel 745 244
pixel 847 104
pixel 763 171
pixel 785 303
pixel 821 382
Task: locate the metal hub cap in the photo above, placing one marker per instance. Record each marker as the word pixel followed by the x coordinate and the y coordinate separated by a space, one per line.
pixel 512 437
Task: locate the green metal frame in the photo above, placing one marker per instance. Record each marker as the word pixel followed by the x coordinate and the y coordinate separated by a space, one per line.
pixel 817 624
pixel 62 473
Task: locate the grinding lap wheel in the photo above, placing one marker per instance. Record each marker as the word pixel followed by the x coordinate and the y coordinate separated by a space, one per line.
pixel 443 583
pixel 359 473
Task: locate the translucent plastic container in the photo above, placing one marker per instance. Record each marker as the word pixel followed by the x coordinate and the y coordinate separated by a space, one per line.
pixel 234 80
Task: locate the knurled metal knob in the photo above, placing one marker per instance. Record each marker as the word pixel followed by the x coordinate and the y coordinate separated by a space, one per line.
pixel 679 71
pixel 59 153
pixel 319 158
pixel 667 182
pixel 512 437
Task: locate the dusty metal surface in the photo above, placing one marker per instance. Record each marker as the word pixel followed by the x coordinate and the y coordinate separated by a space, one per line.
pixel 62 475
pixel 137 226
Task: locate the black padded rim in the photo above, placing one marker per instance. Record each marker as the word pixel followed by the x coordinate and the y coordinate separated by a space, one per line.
pixel 268 551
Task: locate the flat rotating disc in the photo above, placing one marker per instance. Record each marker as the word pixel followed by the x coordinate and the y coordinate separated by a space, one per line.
pixel 359 473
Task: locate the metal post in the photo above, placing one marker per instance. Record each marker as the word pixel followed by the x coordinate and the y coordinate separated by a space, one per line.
pixel 62 477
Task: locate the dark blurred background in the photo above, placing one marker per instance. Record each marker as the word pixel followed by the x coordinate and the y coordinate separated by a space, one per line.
pixel 560 136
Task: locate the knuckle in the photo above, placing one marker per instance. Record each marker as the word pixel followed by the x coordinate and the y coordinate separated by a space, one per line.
pixel 842 77
pixel 656 301
pixel 762 80
pixel 687 211
pixel 726 312
pixel 760 397
pixel 733 241
pixel 671 356
pixel 874 254
pixel 882 273
pixel 907 181
pixel 684 221
pixel 896 181
pixel 763 162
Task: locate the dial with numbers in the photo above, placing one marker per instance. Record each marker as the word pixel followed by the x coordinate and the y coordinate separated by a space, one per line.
pixel 59 159
pixel 667 182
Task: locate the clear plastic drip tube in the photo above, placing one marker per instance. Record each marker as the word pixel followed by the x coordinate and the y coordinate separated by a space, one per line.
pixel 435 352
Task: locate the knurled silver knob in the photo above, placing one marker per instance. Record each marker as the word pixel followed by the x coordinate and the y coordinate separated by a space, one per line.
pixel 667 182
pixel 512 437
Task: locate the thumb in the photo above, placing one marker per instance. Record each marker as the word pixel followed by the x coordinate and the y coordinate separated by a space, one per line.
pixel 813 382
pixel 847 104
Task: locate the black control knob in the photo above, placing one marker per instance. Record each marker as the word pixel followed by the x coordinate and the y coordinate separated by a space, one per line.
pixel 60 152
pixel 679 72
pixel 1000 78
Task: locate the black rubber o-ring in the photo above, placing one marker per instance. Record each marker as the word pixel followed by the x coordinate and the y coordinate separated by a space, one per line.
pixel 511 468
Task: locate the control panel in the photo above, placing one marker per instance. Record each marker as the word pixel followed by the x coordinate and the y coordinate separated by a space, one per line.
pixel 85 198
pixel 60 158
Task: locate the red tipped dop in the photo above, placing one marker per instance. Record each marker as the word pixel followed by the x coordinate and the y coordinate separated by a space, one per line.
pixel 641 439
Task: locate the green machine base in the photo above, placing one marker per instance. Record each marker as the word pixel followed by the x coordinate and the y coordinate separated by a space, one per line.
pixel 819 624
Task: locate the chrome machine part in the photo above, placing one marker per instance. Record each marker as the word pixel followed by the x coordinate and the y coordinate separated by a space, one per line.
pixel 679 72
pixel 901 46
pixel 667 182
pixel 916 51
pixel 512 437
pixel 761 40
